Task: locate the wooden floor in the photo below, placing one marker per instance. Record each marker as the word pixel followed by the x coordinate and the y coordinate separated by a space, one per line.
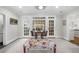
pixel 75 41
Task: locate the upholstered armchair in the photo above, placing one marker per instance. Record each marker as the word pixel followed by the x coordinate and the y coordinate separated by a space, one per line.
pixel 33 34
pixel 44 34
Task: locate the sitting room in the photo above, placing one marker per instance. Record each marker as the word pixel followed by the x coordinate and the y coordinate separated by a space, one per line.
pixel 39 29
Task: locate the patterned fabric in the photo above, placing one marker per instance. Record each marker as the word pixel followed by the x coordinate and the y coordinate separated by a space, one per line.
pixel 39 46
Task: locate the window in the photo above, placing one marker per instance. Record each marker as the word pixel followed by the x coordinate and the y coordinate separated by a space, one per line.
pixel 39 23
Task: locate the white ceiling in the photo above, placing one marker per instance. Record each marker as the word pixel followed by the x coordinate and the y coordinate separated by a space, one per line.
pixel 49 10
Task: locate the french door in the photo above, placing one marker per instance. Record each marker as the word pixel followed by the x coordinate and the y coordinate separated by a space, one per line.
pixel 51 27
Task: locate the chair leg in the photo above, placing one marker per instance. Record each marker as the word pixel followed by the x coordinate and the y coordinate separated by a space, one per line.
pixel 54 48
pixel 35 36
pixel 42 37
pixel 24 49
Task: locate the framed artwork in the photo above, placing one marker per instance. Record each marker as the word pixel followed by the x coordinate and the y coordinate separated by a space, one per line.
pixel 13 21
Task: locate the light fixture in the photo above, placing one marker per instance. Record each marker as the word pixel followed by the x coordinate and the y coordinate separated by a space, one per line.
pixel 40 7
pixel 56 6
pixel 20 6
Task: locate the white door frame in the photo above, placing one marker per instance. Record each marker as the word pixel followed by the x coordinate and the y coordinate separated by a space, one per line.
pixel 4 28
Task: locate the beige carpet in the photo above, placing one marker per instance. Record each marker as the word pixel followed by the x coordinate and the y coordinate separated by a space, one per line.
pixel 63 46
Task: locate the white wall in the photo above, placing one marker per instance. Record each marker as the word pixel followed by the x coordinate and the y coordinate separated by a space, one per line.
pixel 10 31
pixel 1 28
pixel 64 27
pixel 20 27
pixel 58 24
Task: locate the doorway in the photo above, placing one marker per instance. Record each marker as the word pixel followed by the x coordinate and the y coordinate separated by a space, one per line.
pixel 1 28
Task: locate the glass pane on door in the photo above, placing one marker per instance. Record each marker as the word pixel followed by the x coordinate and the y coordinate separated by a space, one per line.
pixel 51 27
